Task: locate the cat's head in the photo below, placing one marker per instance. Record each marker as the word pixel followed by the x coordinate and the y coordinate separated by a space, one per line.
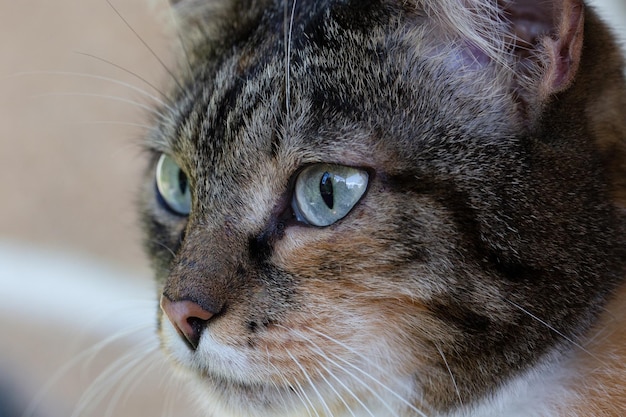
pixel 360 205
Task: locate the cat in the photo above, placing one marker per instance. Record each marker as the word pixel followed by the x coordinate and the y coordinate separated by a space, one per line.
pixel 392 208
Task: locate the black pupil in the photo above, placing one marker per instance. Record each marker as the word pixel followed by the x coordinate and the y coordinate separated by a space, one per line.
pixel 182 181
pixel 326 190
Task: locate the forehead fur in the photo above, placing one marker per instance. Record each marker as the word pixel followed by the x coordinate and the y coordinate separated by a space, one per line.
pixel 453 34
pixel 481 23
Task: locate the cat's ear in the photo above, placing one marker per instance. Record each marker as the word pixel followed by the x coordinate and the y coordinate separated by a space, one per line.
pixel 547 40
pixel 538 43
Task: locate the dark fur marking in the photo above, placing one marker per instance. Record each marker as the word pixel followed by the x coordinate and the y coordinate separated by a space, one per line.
pixel 361 15
pixel 259 247
pixel 252 326
pixel 461 317
pixel 447 194
pixel 513 271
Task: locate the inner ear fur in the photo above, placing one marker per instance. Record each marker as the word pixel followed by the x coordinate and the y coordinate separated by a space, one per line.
pixel 538 43
pixel 551 61
pixel 547 37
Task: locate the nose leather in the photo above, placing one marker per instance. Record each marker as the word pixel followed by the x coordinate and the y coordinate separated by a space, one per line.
pixel 188 318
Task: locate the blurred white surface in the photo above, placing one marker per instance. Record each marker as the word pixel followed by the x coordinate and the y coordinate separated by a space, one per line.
pixel 66 290
pixel 78 338
pixel 614 12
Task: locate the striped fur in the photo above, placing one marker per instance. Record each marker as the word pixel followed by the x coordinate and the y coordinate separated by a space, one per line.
pixel 483 271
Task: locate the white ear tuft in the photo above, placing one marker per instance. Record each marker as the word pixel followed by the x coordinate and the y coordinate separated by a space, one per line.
pixel 538 42
pixel 478 24
pixel 547 40
pixel 563 47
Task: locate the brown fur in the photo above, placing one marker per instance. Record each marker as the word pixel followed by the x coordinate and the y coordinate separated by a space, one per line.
pixel 599 384
pixel 488 244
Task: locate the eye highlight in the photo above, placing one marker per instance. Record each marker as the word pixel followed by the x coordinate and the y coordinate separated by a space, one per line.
pixel 173 186
pixel 326 193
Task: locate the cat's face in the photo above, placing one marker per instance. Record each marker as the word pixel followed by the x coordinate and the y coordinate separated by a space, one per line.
pixel 380 229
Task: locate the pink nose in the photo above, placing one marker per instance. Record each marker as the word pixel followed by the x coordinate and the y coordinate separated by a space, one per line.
pixel 188 318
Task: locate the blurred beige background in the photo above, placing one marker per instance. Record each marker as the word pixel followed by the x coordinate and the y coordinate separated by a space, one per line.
pixel 68 178
pixel 72 271
pixel 70 167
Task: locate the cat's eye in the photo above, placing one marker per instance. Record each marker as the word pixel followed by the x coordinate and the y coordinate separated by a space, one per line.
pixel 326 193
pixel 173 185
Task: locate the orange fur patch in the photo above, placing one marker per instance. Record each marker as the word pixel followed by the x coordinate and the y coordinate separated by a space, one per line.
pixel 600 386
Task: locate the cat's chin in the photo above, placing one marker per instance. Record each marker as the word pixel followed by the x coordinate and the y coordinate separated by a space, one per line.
pixel 222 379
pixel 227 382
pixel 221 397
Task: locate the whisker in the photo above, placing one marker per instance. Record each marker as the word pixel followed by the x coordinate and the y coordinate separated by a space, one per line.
pixel 113 122
pixel 103 78
pixel 552 328
pixel 54 379
pixel 347 389
pixel 126 70
pixel 164 246
pixel 169 406
pixel 299 391
pixel 154 54
pixel 183 45
pixel 105 382
pixel 301 395
pixel 310 381
pixel 132 330
pixel 321 352
pixel 349 349
pixel 169 385
pixel 334 390
pixel 117 384
pixel 135 309
pixel 323 355
pixel 278 388
pixel 456 388
pixel 361 381
pixel 131 380
pixel 152 360
pixel 308 400
pixel 601 332
pixel 106 97
pixel 367 360
pixel 289 386
pixel 288 34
